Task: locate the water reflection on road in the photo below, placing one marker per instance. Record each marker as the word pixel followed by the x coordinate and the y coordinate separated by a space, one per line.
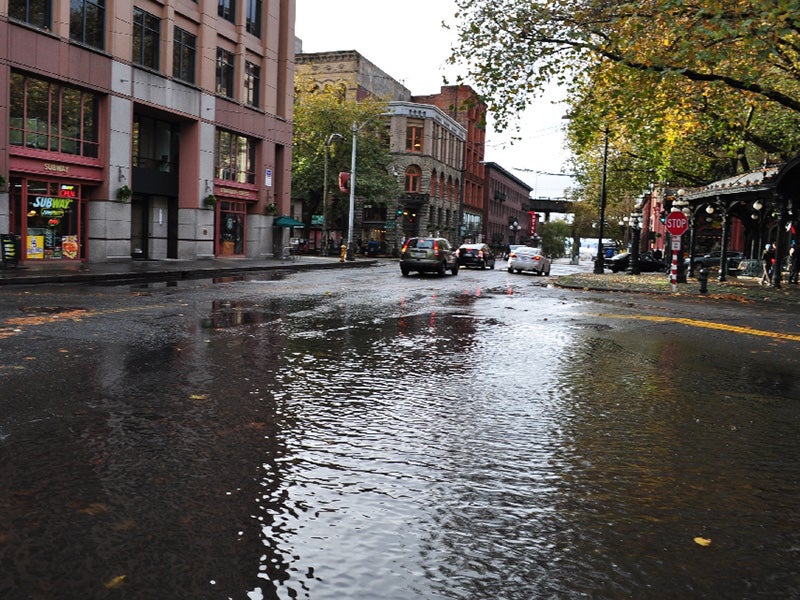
pixel 472 445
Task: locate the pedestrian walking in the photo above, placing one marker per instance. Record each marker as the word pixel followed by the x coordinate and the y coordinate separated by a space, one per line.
pixel 768 258
pixel 794 263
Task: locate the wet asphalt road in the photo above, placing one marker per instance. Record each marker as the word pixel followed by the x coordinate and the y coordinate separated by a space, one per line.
pixel 357 434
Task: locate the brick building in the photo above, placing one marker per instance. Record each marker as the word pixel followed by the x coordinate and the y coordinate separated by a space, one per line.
pixel 506 206
pixel 148 130
pixel 463 105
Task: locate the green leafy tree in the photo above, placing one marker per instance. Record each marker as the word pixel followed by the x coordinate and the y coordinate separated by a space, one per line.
pixel 688 91
pixel 321 115
pixel 554 235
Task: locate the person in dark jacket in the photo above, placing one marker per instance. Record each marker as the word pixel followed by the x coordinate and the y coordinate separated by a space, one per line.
pixel 768 258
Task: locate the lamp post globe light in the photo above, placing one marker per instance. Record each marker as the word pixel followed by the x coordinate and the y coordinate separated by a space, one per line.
pixel 513 229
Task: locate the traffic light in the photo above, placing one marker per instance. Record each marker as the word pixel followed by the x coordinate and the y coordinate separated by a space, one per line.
pixel 662 216
pixel 399 212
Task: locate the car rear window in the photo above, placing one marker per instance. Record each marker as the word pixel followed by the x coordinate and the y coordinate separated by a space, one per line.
pixel 423 244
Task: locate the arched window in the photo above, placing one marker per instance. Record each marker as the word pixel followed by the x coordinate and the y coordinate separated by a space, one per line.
pixel 413 179
pixel 433 183
pixel 442 189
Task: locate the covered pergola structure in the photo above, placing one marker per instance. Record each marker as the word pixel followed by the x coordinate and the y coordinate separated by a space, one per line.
pixel 760 206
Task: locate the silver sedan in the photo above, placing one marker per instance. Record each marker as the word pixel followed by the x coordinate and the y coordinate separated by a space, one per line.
pixel 529 259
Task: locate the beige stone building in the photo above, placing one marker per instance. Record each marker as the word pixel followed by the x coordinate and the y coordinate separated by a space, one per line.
pixel 427 148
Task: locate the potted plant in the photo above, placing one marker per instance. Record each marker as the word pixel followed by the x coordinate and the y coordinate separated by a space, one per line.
pixel 2 181
pixel 210 201
pixel 271 209
pixel 124 193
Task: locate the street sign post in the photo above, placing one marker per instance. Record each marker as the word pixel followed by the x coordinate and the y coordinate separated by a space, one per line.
pixel 677 223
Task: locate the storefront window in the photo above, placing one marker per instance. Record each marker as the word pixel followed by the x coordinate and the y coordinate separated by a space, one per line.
pixel 52 117
pixel 52 221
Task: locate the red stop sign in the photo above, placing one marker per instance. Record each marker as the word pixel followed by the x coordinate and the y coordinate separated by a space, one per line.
pixel 677 223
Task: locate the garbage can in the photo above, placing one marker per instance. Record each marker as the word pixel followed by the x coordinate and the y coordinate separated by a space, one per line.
pixel 9 249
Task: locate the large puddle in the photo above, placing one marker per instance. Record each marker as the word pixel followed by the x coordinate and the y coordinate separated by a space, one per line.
pixel 471 446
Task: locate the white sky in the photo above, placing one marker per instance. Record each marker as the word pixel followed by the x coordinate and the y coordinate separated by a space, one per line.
pixel 407 42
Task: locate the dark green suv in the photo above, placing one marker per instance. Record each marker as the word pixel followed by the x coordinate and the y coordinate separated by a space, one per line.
pixel 428 255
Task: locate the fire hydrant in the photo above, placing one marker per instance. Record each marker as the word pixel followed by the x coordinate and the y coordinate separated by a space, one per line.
pixel 342 253
pixel 702 277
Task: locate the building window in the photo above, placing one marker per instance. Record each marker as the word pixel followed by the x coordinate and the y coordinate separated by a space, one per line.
pixel 413 179
pixel 224 72
pixel 146 34
pixel 253 22
pixel 53 117
pixel 87 22
pixel 33 12
pixel 184 52
pixel 252 83
pixel 414 138
pixel 227 10
pixel 234 157
pixel 155 144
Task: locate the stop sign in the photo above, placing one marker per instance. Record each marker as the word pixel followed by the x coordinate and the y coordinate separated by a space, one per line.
pixel 677 223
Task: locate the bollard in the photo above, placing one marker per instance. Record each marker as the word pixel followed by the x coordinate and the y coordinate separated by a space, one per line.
pixel 702 277
pixel 342 253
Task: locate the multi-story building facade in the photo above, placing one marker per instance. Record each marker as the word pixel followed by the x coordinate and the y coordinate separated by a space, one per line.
pixel 508 218
pixel 463 104
pixel 427 143
pixel 348 71
pixel 145 129
pixel 428 147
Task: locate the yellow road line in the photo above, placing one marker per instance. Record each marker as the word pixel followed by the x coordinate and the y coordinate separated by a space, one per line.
pixel 708 325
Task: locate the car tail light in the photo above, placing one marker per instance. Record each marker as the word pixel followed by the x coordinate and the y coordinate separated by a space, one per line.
pixel 512 255
pixel 537 257
pixel 405 247
pixel 436 248
pixel 480 253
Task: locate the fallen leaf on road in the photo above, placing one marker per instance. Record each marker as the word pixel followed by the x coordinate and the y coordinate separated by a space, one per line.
pixel 115 582
pixel 701 541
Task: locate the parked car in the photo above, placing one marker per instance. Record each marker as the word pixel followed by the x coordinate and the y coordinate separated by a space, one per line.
pixel 529 259
pixel 428 255
pixel 647 263
pixel 711 259
pixel 475 255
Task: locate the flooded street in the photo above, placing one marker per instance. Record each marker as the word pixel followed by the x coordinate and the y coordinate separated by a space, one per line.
pixel 355 435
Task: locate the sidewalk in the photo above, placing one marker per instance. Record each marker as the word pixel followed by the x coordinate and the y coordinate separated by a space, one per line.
pixel 163 270
pixel 738 289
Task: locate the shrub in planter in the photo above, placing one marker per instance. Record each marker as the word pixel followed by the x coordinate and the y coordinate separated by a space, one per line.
pixel 124 193
pixel 210 201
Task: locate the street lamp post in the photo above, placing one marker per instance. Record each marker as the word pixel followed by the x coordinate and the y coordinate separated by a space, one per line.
pixel 634 268
pixel 513 228
pixel 325 231
pixel 352 210
pixel 599 263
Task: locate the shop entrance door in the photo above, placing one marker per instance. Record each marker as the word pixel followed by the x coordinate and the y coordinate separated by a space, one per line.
pixel 140 227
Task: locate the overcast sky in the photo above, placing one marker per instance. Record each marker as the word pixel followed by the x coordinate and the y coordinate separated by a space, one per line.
pixel 406 41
